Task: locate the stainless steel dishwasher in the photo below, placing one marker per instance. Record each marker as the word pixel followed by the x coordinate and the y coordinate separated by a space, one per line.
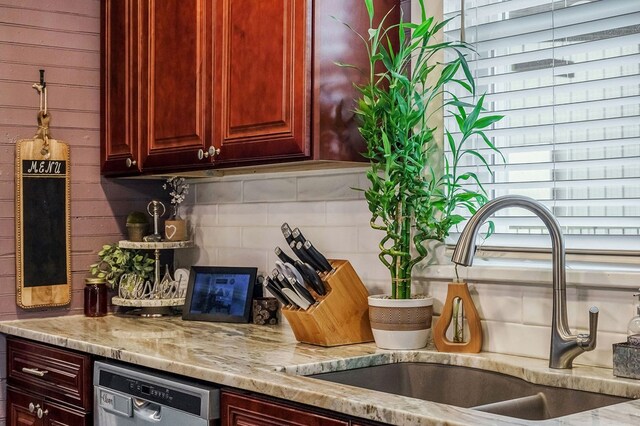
pixel 125 395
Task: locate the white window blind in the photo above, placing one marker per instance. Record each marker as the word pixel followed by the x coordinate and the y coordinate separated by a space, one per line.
pixel 566 76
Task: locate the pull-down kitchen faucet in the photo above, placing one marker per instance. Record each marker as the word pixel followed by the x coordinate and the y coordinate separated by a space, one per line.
pixel 564 346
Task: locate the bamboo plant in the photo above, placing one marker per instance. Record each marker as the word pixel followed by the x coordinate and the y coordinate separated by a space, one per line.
pixel 411 201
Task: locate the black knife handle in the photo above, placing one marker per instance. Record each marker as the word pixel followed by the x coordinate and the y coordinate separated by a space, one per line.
pixel 301 291
pixel 311 277
pixel 299 250
pixel 318 257
pixel 275 291
pixel 287 236
pixel 283 256
pixel 297 235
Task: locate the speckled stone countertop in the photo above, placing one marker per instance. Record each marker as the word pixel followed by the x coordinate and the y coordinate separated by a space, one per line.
pixel 268 360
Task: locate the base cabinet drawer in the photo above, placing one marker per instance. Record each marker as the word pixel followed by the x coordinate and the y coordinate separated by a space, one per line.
pixel 24 408
pixel 247 410
pixel 60 374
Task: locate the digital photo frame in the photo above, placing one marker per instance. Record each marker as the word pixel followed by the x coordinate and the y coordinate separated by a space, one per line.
pixel 219 293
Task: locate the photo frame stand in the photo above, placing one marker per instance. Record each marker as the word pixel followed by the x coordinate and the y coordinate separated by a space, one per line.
pixel 341 317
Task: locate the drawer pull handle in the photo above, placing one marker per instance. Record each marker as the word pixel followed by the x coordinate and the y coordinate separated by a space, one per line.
pixel 32 407
pixel 34 371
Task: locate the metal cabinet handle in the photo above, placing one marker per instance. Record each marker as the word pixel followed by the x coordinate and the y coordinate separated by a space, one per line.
pixel 202 154
pixel 41 413
pixel 32 407
pixel 129 162
pixel 214 151
pixel 34 371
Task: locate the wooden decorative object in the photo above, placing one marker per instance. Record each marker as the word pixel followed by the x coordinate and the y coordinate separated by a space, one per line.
pixel 474 344
pixel 341 317
pixel 43 226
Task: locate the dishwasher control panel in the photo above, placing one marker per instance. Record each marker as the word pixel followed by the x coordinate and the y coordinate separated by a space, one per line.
pixel 123 389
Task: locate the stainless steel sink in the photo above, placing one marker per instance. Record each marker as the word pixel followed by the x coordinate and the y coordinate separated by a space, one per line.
pixel 472 388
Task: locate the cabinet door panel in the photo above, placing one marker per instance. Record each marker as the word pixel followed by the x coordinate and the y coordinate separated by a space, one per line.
pixel 119 137
pixel 262 72
pixel 18 408
pixel 58 415
pixel 176 123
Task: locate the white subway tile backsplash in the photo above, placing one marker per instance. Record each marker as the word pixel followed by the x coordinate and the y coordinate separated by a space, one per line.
pixel 271 190
pixel 253 214
pixel 219 192
pixel 349 212
pixel 219 236
pixel 516 339
pixel 497 302
pixel 332 238
pixel 329 187
pixel 242 230
pixel 602 355
pixel 243 257
pixel 297 214
pixel 369 239
pixel 262 237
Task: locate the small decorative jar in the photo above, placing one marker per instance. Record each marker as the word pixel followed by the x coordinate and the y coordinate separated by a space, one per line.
pixel 95 297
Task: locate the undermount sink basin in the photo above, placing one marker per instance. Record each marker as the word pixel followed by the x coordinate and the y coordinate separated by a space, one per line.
pixel 472 388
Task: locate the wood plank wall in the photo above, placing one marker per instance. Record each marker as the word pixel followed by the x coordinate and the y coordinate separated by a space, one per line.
pixel 62 37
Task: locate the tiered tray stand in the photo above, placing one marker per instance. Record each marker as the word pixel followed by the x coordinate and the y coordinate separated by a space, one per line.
pixel 154 303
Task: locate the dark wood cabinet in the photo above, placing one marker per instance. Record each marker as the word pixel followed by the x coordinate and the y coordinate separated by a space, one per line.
pixel 175 88
pixel 119 136
pixel 47 385
pixel 220 83
pixel 238 409
pixel 262 78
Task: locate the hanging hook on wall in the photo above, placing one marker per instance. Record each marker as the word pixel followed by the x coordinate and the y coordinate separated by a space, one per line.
pixel 43 117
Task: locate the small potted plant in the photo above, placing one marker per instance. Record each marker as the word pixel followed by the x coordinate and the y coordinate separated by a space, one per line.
pixel 137 226
pixel 175 228
pixel 410 201
pixel 115 262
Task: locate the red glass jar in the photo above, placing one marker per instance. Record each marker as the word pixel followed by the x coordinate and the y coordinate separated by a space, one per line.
pixel 95 297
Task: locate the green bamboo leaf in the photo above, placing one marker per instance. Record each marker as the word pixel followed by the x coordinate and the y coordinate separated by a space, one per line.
pixel 479 156
pixel 470 122
pixel 370 10
pixel 467 72
pixel 483 122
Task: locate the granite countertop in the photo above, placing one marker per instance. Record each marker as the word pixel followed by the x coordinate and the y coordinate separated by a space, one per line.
pixel 268 360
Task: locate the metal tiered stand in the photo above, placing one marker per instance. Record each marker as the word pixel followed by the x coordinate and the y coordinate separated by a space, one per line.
pixel 161 297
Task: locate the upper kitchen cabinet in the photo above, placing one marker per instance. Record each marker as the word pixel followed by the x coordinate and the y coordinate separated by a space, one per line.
pixel 196 84
pixel 156 85
pixel 176 97
pixel 119 88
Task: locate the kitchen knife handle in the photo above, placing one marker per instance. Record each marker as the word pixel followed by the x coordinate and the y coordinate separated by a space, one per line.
pixel 287 236
pixel 299 250
pixel 297 235
pixel 313 280
pixel 283 256
pixel 318 257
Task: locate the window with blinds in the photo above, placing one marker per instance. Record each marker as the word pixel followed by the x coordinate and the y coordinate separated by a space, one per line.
pixel 566 76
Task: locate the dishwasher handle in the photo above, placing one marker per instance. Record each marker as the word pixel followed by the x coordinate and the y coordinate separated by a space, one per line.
pixel 149 411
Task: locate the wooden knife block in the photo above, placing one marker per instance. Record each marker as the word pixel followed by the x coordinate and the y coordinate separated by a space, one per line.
pixel 341 317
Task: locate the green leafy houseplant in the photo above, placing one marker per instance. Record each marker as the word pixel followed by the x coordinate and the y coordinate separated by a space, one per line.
pixel 114 262
pixel 410 200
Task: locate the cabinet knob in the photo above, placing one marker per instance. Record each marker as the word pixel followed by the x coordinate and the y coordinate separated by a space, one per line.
pixel 32 407
pixel 211 152
pixel 129 162
pixel 41 413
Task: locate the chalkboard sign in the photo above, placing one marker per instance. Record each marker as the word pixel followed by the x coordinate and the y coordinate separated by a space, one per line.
pixel 43 228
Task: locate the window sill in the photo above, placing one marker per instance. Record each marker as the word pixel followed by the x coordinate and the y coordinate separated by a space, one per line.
pixel 538 272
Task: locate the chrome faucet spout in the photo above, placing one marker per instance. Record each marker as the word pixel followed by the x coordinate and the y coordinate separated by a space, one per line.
pixel 565 347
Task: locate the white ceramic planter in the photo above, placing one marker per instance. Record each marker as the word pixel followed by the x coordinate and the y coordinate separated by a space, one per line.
pixel 400 323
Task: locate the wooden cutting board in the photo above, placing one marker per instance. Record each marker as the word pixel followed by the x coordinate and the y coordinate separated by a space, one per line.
pixel 43 225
